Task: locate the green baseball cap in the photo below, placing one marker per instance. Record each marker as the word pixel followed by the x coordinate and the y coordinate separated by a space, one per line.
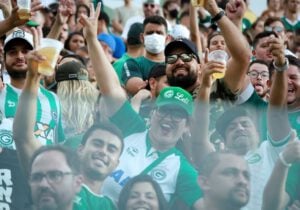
pixel 176 96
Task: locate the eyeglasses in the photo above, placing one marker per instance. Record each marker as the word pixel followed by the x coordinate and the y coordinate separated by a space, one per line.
pixel 171 59
pixel 149 5
pixel 54 176
pixel 277 29
pixel 254 74
pixel 175 114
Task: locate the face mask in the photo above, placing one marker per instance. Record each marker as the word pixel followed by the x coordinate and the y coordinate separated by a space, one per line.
pixel 173 13
pixel 154 43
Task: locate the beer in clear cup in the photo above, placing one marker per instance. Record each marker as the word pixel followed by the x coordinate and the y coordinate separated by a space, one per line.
pixel 24 9
pixel 50 48
pixel 198 3
pixel 219 56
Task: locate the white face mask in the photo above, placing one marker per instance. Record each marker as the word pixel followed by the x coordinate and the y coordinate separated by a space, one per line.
pixel 155 43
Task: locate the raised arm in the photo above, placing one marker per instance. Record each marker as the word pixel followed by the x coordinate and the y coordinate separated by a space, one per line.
pixel 237 45
pixel 201 145
pixel 278 123
pixel 195 33
pixel 24 121
pixel 106 76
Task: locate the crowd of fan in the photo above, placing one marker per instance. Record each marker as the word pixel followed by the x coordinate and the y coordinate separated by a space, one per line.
pixel 134 116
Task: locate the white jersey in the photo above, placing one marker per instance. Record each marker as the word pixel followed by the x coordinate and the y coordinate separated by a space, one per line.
pixel 48 128
pixel 261 163
pixel 138 157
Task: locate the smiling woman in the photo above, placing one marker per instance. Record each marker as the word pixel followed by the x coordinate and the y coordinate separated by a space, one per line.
pixel 142 192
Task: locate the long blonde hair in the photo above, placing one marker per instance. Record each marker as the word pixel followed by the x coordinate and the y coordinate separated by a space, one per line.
pixel 78 98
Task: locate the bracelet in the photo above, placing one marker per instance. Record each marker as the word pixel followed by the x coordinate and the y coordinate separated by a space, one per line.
pixel 283 161
pixel 218 16
pixel 282 68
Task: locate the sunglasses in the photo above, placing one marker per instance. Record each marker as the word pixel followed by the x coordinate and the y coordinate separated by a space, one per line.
pixel 171 59
pixel 277 29
pixel 149 5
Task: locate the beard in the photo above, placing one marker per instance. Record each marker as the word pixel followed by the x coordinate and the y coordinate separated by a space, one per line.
pixel 16 74
pixel 182 81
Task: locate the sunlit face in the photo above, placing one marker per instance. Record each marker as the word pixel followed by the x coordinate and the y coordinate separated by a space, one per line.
pixel 229 182
pixel 217 43
pixel 182 74
pixel 142 196
pixel 259 75
pixel 259 27
pixel 279 29
pixel 165 129
pixel 100 154
pixel 76 42
pixel 50 195
pixel 241 135
pixel 293 86
pixel 64 33
pixel 261 50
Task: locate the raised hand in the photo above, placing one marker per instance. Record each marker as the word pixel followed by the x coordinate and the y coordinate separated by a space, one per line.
pixel 14 17
pixel 90 23
pixel 235 9
pixel 64 11
pixel 276 48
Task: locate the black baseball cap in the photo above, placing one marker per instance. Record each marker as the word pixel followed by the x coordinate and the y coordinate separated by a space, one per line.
pixel 182 42
pixel 156 71
pixel 71 70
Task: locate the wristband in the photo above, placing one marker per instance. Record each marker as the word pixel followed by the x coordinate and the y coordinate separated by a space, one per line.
pixel 281 68
pixel 283 161
pixel 218 16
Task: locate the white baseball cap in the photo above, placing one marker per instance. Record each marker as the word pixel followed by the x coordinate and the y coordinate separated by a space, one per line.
pixel 180 31
pixel 18 34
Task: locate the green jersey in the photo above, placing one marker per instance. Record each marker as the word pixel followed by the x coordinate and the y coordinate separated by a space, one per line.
pixel 137 67
pixel 87 200
pixel 118 65
pixel 289 26
pixel 48 127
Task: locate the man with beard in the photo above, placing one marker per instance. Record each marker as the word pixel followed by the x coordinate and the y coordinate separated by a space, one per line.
pixel 184 71
pixel 225 180
pixel 136 70
pixel 48 127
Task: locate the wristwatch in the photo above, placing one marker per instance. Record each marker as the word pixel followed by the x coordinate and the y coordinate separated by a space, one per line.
pixel 282 68
pixel 218 16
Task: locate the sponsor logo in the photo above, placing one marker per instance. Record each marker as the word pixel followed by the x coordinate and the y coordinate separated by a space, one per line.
pixel 254 158
pixel 132 151
pixel 169 94
pixel 6 139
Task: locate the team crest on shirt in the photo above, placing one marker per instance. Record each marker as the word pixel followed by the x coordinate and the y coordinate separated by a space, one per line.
pixel 158 174
pixel 132 151
pixel 6 139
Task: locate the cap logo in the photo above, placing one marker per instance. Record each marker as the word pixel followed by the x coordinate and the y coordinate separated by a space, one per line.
pixel 169 94
pixel 182 98
pixel 18 34
pixel 72 76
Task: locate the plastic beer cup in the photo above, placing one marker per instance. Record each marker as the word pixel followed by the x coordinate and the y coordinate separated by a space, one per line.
pixel 197 3
pixel 219 56
pixel 24 9
pixel 50 48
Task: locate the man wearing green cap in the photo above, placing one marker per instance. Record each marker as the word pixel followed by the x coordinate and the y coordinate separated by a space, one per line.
pixel 146 151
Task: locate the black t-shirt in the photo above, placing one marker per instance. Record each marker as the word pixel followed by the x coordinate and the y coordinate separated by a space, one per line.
pixel 14 190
